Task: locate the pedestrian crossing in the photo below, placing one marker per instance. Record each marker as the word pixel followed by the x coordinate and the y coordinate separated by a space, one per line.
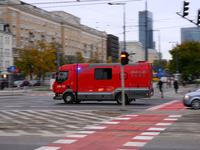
pixel 52 123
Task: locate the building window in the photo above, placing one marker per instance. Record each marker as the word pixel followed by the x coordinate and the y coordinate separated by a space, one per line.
pixel 22 16
pixel 66 36
pixel 0 12
pixel 22 43
pixel 22 25
pixel 1 27
pixel 39 37
pixel 38 21
pixel 22 34
pixel 30 19
pixel 14 13
pixel 30 27
pixel 14 41
pixel 14 32
pixel 14 22
pixel 26 26
pixel 26 43
pixel 26 18
pixel 35 21
pixel 26 35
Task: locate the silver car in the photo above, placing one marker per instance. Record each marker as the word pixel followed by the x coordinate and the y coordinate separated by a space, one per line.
pixel 192 99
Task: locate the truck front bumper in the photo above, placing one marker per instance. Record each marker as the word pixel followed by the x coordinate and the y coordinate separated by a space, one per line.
pixel 58 96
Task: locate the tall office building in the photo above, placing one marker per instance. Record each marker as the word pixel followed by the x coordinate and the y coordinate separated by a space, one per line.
pixel 142 20
pixel 190 34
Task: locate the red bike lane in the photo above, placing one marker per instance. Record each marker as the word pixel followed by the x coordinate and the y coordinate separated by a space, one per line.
pixel 128 132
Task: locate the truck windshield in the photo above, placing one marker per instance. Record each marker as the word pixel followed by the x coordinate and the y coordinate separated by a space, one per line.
pixel 62 76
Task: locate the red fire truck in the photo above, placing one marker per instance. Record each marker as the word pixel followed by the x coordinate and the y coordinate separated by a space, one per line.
pixel 102 82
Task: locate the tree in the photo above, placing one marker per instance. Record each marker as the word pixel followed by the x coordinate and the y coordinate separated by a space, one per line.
pixel 80 58
pixel 71 59
pixel 94 58
pixel 109 60
pixel 163 64
pixel 37 60
pixel 188 58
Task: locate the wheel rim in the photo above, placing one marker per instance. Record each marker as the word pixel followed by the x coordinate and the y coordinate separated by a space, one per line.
pixel 68 98
pixel 120 99
pixel 196 104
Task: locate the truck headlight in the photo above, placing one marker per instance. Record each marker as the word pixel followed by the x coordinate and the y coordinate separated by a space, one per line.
pixel 187 96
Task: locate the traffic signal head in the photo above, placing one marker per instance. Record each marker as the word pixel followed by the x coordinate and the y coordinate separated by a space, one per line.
pixel 198 17
pixel 185 8
pixel 124 58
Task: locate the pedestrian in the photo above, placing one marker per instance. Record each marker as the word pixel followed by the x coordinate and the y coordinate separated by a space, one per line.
pixel 2 84
pixel 160 83
pixel 176 85
pixel 26 83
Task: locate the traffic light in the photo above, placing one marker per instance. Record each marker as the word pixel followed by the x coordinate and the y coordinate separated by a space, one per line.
pixel 185 8
pixel 198 17
pixel 124 58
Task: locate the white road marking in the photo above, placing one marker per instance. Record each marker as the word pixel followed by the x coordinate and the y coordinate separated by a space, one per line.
pixel 143 137
pixel 150 133
pixel 65 141
pixel 159 129
pixel 163 124
pixel 135 144
pixel 48 148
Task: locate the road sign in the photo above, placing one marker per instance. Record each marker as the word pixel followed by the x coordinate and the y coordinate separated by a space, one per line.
pixel 160 72
pixel 12 68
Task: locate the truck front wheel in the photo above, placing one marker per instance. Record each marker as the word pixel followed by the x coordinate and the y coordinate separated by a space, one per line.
pixel 68 98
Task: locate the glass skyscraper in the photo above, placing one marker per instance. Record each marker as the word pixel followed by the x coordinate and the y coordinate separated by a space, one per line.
pixel 142 19
pixel 190 34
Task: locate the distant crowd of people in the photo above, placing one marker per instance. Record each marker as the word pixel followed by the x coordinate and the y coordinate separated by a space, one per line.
pixel 160 84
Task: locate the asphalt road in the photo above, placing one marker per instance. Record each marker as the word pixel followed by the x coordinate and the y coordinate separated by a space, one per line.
pixel 32 120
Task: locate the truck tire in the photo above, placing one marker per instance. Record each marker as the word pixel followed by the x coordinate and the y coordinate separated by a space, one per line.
pixel 68 98
pixel 119 99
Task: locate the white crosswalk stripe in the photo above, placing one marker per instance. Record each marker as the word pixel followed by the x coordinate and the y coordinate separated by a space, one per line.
pixel 46 122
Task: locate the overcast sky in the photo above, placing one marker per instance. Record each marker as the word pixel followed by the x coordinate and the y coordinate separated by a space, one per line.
pixel 109 18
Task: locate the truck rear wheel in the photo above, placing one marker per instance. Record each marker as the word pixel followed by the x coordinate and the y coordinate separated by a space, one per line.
pixel 68 98
pixel 119 99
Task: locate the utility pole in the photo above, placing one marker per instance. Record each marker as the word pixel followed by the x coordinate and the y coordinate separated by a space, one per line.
pixel 146 49
pixel 58 56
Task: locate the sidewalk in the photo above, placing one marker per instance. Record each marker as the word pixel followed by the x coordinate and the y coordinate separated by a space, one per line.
pixel 19 91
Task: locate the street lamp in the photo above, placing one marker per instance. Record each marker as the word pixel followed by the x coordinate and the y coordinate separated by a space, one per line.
pixel 122 67
pixel 124 22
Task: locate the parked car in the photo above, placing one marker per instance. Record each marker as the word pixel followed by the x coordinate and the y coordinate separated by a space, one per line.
pixel 192 99
pixel 36 83
pixel 18 83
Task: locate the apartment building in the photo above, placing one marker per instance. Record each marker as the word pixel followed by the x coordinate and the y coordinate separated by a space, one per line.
pixel 30 24
pixel 6 59
pixel 132 47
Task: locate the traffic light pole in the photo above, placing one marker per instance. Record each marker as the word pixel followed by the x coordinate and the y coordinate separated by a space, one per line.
pixel 187 19
pixel 123 97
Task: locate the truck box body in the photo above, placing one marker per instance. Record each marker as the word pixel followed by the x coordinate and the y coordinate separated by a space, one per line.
pixel 103 81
